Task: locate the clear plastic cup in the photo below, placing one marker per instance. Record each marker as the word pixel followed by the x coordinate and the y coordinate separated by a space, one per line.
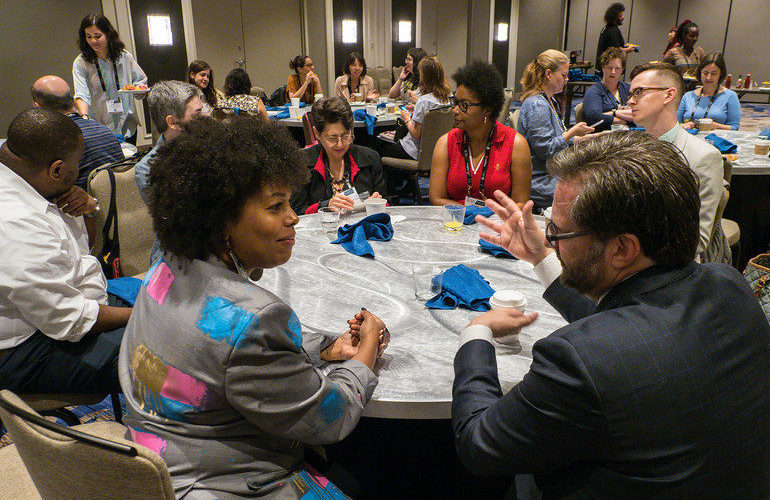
pixel 454 216
pixel 330 219
pixel 427 281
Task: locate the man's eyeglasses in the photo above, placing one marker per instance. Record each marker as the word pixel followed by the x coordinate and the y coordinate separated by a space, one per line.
pixel 333 140
pixel 638 92
pixel 553 236
pixel 462 104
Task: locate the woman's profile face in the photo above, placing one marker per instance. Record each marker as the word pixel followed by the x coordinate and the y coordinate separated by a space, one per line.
pixel 263 236
pixel 556 80
pixel 96 39
pixel 356 69
pixel 336 140
pixel 473 116
pixel 201 78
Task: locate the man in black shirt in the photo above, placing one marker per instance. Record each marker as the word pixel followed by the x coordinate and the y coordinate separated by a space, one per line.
pixel 611 35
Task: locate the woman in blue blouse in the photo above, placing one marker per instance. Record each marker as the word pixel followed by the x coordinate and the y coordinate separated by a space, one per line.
pixel 541 123
pixel 606 101
pixel 712 100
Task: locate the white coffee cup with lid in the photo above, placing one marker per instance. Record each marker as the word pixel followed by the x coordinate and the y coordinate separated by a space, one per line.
pixel 508 298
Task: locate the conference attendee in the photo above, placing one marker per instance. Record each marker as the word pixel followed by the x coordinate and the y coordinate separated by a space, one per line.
pixel 102 68
pixel 355 80
pixel 479 155
pixel 59 329
pixel 607 101
pixel 100 145
pixel 304 83
pixel 335 163
pixel 219 378
pixel 237 92
pixel 610 35
pixel 407 86
pixel 712 99
pixel 686 56
pixel 172 104
pixel 654 99
pixel 654 387
pixel 200 74
pixel 541 123
pixel 434 92
pixel 671 40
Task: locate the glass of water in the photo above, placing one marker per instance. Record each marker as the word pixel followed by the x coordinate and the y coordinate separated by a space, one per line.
pixel 330 219
pixel 427 281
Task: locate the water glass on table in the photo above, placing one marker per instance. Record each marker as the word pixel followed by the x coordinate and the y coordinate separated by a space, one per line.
pixel 427 281
pixel 330 219
pixel 453 218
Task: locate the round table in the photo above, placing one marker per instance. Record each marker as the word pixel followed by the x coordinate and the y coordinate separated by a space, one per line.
pixel 325 286
pixel 383 120
pixel 747 163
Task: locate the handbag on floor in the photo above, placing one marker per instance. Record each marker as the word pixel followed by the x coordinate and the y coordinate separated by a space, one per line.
pixel 757 273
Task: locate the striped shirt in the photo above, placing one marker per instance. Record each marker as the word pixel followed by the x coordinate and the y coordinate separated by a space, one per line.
pixel 101 147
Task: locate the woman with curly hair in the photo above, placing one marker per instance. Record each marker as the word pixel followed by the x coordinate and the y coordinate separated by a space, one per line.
pixel 219 378
pixel 479 155
pixel 607 101
pixel 200 74
pixel 102 68
pixel 541 123
pixel 238 95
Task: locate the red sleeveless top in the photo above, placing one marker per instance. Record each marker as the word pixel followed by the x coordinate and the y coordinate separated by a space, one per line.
pixel 498 171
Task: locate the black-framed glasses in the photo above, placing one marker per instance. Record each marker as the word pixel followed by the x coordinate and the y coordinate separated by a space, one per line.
pixel 462 104
pixel 638 92
pixel 553 236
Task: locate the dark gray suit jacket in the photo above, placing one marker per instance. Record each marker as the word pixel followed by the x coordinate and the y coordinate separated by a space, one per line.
pixel 661 390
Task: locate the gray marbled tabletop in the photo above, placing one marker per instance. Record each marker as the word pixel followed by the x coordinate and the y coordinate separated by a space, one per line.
pixel 325 285
pixel 747 163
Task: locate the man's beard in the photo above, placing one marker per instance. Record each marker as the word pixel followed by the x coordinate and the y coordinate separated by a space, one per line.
pixel 585 274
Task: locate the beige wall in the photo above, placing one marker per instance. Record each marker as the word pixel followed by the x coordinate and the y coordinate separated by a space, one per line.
pixel 37 37
pixel 445 32
pixel 218 43
pixel 540 28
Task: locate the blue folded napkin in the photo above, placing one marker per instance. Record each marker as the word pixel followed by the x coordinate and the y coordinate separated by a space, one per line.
pixel 353 237
pixel 126 288
pixel 494 249
pixel 471 211
pixel 362 115
pixel 382 105
pixel 282 115
pixel 723 145
pixel 765 133
pixel 693 131
pixel 285 106
pixel 464 287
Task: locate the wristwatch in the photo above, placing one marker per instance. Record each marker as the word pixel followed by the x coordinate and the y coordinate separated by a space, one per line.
pixel 96 210
pixel 613 113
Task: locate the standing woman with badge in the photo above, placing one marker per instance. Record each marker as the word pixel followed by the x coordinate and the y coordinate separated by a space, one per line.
pixel 479 155
pixel 100 71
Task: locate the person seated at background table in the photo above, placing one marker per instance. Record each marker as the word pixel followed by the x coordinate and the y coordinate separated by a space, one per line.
pixel 355 80
pixel 407 86
pixel 101 146
pixel 686 56
pixel 172 104
pixel 654 99
pixel 238 95
pixel 654 387
pixel 607 100
pixel 541 123
pixel 335 163
pixel 200 74
pixel 434 92
pixel 712 100
pixel 60 331
pixel 219 377
pixel 304 83
pixel 497 157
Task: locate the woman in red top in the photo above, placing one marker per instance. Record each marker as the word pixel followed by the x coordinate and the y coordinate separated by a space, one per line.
pixel 479 155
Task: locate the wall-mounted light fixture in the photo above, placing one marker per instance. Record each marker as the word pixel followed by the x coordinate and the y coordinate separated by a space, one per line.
pixel 349 31
pixel 159 28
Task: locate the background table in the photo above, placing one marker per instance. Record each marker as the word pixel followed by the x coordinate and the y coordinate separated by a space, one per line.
pixel 749 203
pixel 383 120
pixel 325 285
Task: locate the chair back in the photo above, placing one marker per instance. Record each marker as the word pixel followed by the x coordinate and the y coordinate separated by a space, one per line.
pixel 513 118
pixel 258 92
pixel 436 122
pixel 507 104
pixel 135 232
pixel 307 128
pixel 382 79
pixel 67 463
pixel 579 113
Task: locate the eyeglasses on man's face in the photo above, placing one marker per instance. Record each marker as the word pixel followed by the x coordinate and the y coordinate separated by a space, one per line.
pixel 553 236
pixel 639 92
pixel 462 103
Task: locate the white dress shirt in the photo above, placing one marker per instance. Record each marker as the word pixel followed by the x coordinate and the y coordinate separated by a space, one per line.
pixel 48 280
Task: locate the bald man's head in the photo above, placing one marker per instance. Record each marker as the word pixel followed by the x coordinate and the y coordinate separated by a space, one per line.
pixel 52 92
